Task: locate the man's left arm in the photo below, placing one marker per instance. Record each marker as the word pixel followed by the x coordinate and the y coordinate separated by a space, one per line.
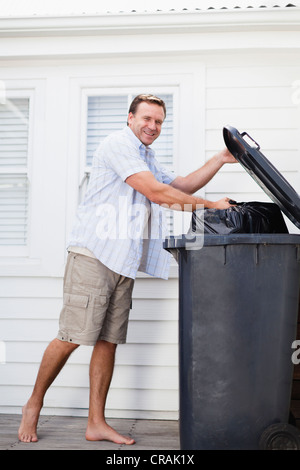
pixel 199 178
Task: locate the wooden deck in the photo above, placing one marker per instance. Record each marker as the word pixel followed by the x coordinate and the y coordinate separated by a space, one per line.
pixel 68 433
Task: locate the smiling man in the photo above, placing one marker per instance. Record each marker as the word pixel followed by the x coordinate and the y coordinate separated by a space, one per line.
pixel 146 121
pixel 127 187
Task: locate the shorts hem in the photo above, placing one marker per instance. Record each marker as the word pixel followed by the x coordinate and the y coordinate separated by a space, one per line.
pixel 112 340
pixel 66 338
pixel 73 340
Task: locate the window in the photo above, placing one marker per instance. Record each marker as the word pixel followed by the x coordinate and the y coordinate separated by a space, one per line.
pixel 14 186
pixel 108 113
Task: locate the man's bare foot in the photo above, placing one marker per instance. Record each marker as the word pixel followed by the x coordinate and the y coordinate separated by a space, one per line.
pixel 103 432
pixel 28 426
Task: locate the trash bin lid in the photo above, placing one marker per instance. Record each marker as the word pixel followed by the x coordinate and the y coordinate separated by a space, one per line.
pixel 263 172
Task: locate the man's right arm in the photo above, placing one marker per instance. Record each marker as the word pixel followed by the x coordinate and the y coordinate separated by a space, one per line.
pixel 164 194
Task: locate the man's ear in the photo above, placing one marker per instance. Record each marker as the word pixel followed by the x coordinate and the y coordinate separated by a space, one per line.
pixel 130 116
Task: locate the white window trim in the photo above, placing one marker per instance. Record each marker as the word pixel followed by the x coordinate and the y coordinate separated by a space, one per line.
pixel 189 123
pixel 16 259
pixel 131 92
pixel 11 250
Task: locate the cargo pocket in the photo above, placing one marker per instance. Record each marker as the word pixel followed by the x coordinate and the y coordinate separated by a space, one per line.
pixel 97 312
pixel 75 312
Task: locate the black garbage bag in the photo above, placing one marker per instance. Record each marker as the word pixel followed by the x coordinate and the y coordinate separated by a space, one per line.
pixel 244 217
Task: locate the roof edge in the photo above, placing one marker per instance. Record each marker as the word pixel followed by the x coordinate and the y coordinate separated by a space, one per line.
pixel 207 20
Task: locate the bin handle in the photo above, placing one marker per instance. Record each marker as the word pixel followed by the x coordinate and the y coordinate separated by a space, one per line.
pixel 246 133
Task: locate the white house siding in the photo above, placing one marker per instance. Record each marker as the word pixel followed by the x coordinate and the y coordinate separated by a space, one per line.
pixel 260 96
pixel 249 80
pixel 145 379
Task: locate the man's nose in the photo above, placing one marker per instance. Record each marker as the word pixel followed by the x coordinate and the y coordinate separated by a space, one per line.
pixel 152 125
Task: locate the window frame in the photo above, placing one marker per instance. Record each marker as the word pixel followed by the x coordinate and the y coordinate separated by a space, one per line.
pixel 130 92
pixel 189 123
pixel 21 250
pixel 28 259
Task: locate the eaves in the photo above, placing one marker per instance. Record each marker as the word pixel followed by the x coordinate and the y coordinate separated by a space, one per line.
pixel 279 19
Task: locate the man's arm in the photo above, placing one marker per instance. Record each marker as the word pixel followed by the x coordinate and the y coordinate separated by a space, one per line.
pixel 165 194
pixel 199 178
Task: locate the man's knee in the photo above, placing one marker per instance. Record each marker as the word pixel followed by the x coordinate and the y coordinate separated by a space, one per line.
pixel 106 346
pixel 65 345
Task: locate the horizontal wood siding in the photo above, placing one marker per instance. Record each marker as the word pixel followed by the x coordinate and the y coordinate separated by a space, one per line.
pixel 261 101
pixel 145 381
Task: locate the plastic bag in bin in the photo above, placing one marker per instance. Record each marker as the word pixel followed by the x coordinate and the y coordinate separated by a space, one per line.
pixel 244 217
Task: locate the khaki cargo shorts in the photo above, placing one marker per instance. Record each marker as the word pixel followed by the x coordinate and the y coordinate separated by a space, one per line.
pixel 96 302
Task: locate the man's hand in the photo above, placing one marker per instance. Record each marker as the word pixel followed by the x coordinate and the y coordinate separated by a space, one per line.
pixel 223 203
pixel 226 157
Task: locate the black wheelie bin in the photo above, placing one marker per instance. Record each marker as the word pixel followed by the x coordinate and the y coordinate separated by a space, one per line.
pixel 238 309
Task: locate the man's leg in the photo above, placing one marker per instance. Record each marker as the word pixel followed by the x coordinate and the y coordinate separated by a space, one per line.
pixel 55 357
pixel 101 371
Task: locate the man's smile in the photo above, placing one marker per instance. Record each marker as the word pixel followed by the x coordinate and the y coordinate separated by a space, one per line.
pixel 149 133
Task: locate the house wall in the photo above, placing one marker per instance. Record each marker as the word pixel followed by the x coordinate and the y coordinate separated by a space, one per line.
pixel 255 89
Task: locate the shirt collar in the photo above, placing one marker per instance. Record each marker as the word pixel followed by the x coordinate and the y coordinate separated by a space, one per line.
pixel 138 142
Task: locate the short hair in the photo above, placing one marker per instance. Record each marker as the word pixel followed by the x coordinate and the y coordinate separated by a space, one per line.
pixel 148 99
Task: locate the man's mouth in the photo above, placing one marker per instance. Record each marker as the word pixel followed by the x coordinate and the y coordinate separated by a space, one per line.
pixel 151 134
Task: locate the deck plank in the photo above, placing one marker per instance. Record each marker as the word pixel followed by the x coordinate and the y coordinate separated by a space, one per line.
pixel 68 433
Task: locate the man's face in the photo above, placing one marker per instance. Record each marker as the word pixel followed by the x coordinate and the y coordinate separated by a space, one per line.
pixel 146 122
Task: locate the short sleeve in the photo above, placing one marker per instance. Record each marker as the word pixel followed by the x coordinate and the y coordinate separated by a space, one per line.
pixel 122 156
pixel 166 176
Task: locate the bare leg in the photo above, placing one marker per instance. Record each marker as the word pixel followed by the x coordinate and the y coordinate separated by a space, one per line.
pixel 101 371
pixel 55 357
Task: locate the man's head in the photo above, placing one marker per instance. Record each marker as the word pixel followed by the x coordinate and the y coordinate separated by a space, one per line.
pixel 145 118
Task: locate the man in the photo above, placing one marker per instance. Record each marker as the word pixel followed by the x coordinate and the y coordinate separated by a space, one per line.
pixel 104 257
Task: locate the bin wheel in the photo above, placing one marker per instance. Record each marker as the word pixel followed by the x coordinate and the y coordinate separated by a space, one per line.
pixel 280 436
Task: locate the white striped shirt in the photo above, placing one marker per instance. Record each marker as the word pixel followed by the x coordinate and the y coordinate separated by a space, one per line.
pixel 119 225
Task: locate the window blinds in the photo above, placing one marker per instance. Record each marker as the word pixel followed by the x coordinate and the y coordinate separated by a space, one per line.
pixel 14 119
pixel 106 114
